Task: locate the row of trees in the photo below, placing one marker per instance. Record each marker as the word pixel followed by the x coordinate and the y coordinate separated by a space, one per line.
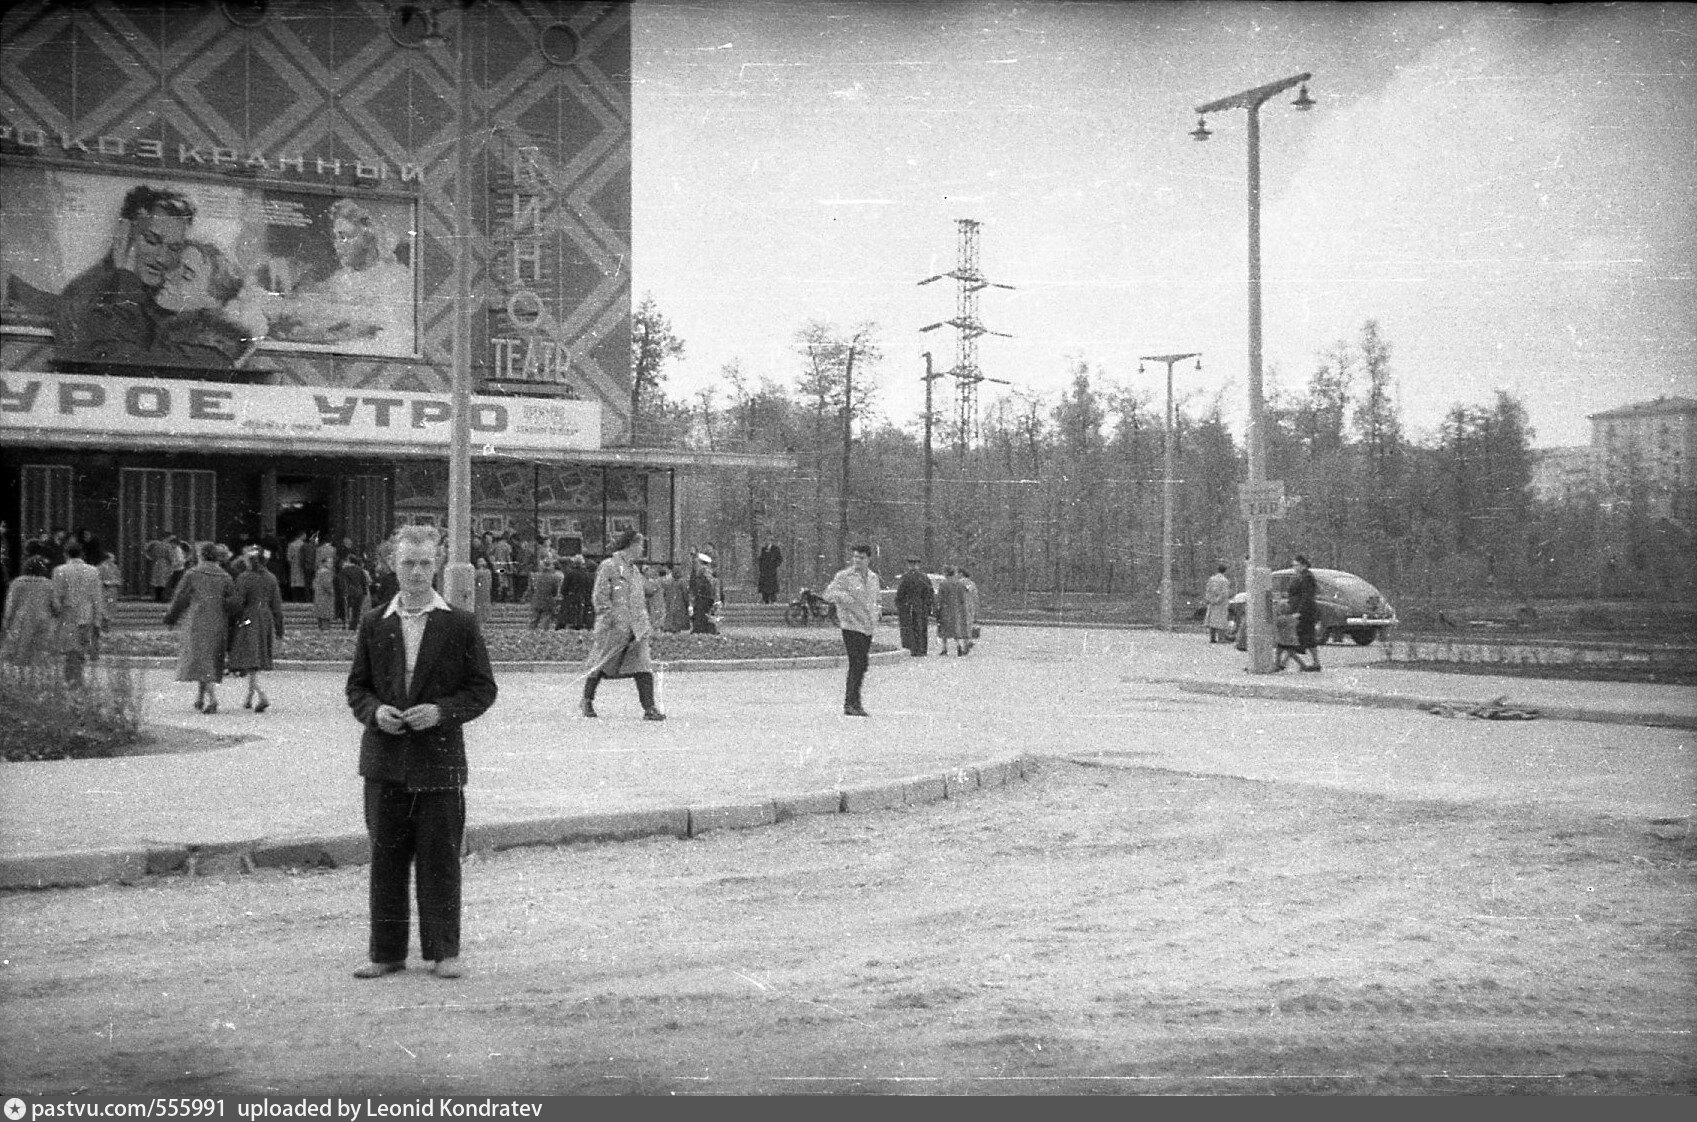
pixel 1065 492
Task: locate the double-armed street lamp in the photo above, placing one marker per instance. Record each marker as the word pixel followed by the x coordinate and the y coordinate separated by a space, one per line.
pixel 1259 579
pixel 1167 485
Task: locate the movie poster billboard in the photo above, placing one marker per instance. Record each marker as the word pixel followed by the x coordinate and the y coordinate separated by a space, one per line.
pixel 181 272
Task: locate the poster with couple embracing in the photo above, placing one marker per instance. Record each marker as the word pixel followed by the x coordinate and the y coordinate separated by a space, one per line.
pixel 189 273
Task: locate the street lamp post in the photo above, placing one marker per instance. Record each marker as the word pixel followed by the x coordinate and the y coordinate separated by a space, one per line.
pixel 1258 580
pixel 1167 487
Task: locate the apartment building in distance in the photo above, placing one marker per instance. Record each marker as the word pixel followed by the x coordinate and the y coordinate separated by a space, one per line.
pixel 1648 448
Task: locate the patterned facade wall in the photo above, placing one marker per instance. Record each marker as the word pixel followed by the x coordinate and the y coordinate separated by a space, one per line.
pixel 324 94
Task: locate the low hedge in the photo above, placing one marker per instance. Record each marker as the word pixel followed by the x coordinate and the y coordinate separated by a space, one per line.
pixel 516 645
pixel 47 719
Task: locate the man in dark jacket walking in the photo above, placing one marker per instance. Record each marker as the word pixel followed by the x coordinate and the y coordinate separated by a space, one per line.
pixel 914 600
pixel 1302 600
pixel 420 672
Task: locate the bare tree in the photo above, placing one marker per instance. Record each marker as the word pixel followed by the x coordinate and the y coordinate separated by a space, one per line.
pixel 652 345
pixel 829 382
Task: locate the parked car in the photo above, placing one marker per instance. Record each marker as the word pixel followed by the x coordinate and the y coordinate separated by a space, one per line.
pixel 1348 606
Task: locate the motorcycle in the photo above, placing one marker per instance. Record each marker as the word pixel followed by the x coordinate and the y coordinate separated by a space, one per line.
pixel 808 606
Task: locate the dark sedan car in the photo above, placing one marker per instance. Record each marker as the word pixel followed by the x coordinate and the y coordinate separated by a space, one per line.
pixel 1348 606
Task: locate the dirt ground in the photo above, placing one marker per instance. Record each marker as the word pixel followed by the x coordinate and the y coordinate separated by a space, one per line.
pixel 1102 929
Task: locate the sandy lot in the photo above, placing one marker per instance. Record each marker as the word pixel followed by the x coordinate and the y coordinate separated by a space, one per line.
pixel 1104 928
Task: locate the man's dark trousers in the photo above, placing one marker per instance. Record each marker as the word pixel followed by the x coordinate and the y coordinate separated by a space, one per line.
pixel 414 828
pixel 858 644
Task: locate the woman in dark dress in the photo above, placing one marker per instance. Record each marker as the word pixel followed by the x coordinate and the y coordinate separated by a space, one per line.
pixel 256 612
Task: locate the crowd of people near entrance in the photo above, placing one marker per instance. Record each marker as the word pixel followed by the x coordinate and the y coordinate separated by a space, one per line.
pixel 59 600
pixel 226 600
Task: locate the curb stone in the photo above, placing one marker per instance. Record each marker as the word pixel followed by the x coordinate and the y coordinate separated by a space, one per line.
pixel 74 869
pixel 787 807
pixel 926 789
pixel 625 825
pixel 736 816
pixel 1272 692
pixel 890 795
pixel 676 666
pixel 491 837
pixel 958 782
pixel 82 869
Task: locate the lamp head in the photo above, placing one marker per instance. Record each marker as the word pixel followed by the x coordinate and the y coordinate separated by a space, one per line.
pixel 1303 102
pixel 1201 132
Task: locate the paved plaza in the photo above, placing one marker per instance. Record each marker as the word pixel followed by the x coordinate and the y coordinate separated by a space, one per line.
pixel 743 746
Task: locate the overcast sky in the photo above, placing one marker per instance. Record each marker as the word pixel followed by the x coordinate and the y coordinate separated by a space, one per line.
pixel 1511 191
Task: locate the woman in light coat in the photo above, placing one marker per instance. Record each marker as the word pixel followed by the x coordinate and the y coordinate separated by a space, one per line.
pixel 676 592
pixel 298 558
pixel 951 613
pixel 619 645
pixel 200 598
pixel 1217 594
pixel 29 625
pixel 483 585
pixel 256 610
pixel 324 592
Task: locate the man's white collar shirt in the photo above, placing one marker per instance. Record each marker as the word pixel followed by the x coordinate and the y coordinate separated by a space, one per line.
pixel 412 626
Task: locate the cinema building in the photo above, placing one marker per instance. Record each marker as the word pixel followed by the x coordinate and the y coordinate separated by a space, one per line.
pixel 228 237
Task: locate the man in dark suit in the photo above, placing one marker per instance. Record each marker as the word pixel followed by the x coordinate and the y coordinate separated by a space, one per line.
pixel 771 560
pixel 915 599
pixel 420 672
pixel 576 593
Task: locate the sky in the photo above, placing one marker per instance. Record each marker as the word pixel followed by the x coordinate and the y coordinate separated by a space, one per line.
pixel 1510 191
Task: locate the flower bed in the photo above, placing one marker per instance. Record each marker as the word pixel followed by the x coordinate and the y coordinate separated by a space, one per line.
pixel 512 645
pixel 45 719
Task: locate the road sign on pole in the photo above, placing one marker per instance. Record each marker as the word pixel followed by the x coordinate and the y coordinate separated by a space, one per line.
pixel 1262 500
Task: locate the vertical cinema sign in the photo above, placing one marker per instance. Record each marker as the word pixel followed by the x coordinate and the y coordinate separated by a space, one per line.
pixel 530 347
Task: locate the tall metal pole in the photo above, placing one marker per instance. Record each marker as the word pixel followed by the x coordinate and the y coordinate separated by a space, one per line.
pixel 1167 491
pixel 930 467
pixel 459 579
pixel 1167 511
pixel 1258 581
pixel 848 446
